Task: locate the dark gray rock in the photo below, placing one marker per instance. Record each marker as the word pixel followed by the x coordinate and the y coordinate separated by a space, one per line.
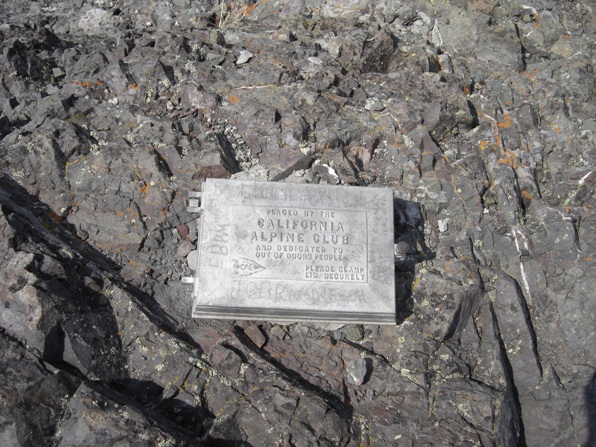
pixel 480 117
pixel 377 53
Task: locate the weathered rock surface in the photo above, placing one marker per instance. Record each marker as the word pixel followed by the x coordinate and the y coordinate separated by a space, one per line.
pixel 479 114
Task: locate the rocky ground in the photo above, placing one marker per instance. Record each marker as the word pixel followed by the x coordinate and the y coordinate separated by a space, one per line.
pixel 480 114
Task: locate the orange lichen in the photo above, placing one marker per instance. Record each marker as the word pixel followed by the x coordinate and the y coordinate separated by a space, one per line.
pixel 466 90
pixel 83 84
pixel 235 12
pixel 509 159
pixel 483 144
pixel 88 84
pixel 233 99
pixel 249 8
pixel 497 139
pixel 506 123
pixel 526 195
pixel 57 218
pixel 144 188
pixel 537 19
pixel 530 76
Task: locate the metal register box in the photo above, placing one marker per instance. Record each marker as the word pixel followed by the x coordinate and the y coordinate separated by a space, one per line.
pixel 294 252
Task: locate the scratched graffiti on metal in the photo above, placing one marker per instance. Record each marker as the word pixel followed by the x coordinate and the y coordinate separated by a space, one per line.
pixel 294 252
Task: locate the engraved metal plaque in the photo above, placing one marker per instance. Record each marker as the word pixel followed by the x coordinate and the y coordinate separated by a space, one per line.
pixel 294 252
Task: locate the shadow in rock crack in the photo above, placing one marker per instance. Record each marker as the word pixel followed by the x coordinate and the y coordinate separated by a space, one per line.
pixel 152 396
pixel 341 406
pixel 36 224
pixel 77 323
pixel 590 398
pixel 230 430
pixel 411 250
